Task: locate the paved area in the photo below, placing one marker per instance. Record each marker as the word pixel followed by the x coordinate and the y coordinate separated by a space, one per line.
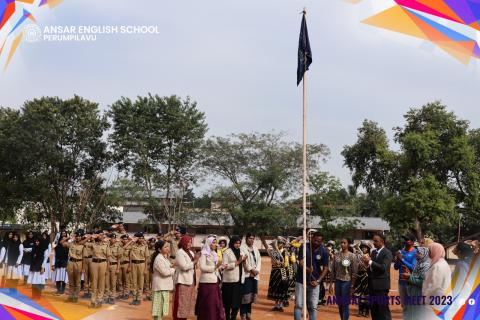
pixel 123 311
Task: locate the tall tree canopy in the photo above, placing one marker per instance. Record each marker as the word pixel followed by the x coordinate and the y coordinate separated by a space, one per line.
pixel 156 141
pixel 58 151
pixel 261 170
pixel 430 180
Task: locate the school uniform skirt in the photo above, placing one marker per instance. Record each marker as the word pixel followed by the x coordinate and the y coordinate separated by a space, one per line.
pixel 36 278
pixel 60 274
pixel 14 272
pixel 26 270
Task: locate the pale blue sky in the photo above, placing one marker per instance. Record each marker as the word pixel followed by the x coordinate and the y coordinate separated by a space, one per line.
pixel 237 59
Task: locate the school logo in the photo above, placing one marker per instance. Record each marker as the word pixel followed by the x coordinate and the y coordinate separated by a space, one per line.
pixel 32 33
pixel 17 23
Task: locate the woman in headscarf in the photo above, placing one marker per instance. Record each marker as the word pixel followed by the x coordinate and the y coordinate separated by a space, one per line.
pixel 45 243
pixel 37 269
pixel 209 304
pixel 414 308
pixel 7 238
pixel 232 278
pixel 59 265
pixel 279 283
pixel 162 279
pixel 437 278
pixel 186 260
pixel 12 253
pixel 28 244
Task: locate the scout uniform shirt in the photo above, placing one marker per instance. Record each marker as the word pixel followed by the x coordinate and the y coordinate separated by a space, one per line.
pixel 87 252
pixel 125 253
pixel 138 252
pixel 116 252
pixel 75 251
pixel 100 250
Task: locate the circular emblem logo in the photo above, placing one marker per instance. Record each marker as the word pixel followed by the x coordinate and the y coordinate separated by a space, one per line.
pixel 32 33
pixel 345 262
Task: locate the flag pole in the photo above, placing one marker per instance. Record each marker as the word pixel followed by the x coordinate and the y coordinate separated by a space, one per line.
pixel 304 192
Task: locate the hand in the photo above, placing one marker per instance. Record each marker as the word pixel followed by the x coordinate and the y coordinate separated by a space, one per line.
pixel 399 256
pixel 309 270
pixel 42 271
pixel 366 260
pixel 244 258
pixel 173 263
pixel 16 265
pixel 52 268
pixel 330 289
pixel 117 271
pixel 145 272
pixel 129 269
pixel 405 276
pixel 314 283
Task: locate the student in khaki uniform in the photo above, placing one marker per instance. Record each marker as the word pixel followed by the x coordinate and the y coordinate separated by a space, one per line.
pixel 148 276
pixel 116 252
pixel 119 230
pixel 125 276
pixel 87 260
pixel 75 263
pixel 98 266
pixel 138 266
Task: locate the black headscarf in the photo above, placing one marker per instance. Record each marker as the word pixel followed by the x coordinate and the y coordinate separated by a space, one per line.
pixel 13 250
pixel 27 244
pixel 38 253
pixel 231 244
pixel 45 242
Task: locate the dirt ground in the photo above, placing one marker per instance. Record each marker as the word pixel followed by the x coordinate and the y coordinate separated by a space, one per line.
pixel 123 311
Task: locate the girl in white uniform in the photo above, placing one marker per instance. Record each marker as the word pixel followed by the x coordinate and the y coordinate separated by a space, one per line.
pixel 27 255
pixel 36 276
pixel 3 267
pixel 12 253
pixel 45 242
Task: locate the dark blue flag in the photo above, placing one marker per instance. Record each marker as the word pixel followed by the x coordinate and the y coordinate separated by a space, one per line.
pixel 304 51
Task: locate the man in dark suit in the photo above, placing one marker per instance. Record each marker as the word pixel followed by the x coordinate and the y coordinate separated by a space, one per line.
pixel 379 278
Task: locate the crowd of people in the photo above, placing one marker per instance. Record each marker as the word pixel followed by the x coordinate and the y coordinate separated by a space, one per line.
pixel 359 274
pixel 220 281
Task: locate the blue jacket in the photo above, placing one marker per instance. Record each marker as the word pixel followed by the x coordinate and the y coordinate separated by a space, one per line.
pixel 409 259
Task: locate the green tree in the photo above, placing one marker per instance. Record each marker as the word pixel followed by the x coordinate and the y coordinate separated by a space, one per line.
pixel 429 180
pixel 12 188
pixel 261 171
pixel 156 141
pixel 61 149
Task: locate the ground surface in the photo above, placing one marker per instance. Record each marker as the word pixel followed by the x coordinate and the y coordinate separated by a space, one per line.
pixel 123 311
